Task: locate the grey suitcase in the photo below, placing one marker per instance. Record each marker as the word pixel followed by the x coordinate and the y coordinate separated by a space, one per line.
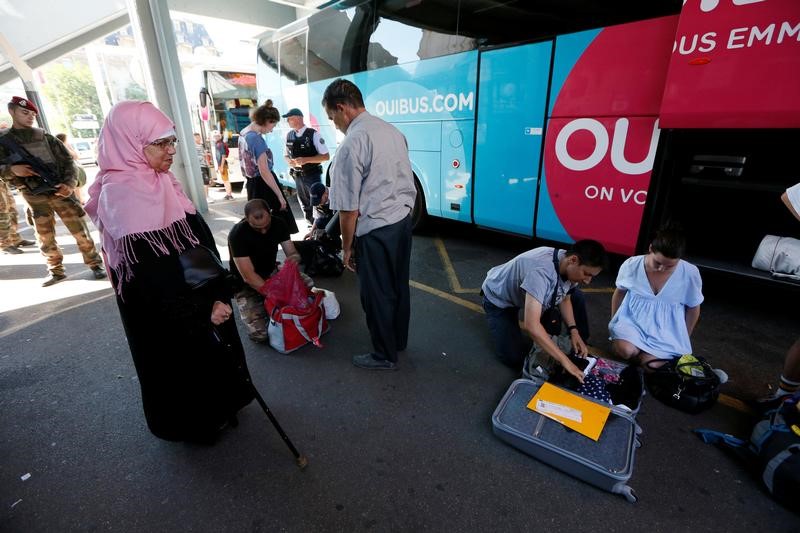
pixel 607 463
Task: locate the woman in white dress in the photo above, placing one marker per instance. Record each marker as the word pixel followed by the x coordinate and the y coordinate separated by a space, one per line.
pixel 656 304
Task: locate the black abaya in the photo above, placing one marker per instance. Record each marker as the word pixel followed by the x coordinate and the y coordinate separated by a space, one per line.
pixel 191 384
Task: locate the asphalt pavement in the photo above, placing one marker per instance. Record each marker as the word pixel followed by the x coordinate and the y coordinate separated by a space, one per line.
pixel 388 451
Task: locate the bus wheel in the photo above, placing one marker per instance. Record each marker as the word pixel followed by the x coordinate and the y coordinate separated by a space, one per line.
pixel 419 214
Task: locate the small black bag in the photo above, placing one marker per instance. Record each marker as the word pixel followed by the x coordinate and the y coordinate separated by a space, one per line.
pixel 684 390
pixel 200 266
pixel 551 317
pixel 551 320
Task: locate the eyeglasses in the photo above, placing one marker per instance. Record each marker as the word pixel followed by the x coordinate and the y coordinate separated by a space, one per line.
pixel 163 144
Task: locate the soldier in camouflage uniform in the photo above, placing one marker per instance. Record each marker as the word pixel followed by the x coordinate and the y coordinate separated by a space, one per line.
pixel 10 241
pixel 43 207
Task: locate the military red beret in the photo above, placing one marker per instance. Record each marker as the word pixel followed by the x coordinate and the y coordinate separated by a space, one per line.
pixel 24 103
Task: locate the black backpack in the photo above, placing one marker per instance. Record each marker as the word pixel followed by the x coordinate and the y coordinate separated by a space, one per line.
pixel 323 261
pixel 773 451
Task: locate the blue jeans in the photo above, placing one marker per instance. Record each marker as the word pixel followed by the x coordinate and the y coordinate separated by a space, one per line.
pixel 510 345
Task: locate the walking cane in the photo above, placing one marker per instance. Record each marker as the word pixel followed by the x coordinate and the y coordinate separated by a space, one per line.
pixel 301 460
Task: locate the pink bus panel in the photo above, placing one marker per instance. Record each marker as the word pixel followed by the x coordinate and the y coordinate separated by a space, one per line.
pixel 735 64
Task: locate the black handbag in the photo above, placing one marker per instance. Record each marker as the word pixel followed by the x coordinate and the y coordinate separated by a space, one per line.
pixel 200 266
pixel 551 317
pixel 690 386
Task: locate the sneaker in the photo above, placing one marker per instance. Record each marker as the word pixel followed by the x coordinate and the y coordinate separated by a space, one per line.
pixel 370 362
pixel 228 197
pixel 210 200
pixel 778 394
pixel 773 401
pixel 99 272
pixel 52 279
pixel 26 242
pixel 12 250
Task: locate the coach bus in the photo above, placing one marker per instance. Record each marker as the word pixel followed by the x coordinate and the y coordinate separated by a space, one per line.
pixel 546 129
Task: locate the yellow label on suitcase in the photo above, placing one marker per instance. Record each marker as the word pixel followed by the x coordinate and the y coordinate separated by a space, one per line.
pixel 586 417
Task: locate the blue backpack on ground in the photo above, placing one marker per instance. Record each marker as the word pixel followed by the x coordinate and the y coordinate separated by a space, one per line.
pixel 773 450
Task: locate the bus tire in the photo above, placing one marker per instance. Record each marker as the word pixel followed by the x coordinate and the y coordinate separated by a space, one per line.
pixel 419 215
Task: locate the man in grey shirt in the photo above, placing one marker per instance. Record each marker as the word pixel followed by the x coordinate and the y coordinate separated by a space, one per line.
pixel 372 187
pixel 529 282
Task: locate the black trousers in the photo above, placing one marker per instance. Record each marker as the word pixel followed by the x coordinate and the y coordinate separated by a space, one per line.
pixel 383 257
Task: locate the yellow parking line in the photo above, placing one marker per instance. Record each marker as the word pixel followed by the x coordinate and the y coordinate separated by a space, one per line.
pixel 734 403
pixel 447 296
pixel 455 286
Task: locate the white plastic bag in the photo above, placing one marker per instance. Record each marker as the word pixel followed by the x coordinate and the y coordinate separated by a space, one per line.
pixel 330 303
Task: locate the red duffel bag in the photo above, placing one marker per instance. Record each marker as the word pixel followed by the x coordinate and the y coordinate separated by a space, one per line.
pixel 296 315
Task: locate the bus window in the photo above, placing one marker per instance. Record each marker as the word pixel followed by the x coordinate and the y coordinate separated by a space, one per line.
pixel 327 32
pixel 267 77
pixel 396 43
pixel 293 59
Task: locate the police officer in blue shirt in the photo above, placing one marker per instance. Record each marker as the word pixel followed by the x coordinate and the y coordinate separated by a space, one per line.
pixel 305 150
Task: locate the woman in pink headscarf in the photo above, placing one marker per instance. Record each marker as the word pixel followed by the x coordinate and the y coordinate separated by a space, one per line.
pixel 184 343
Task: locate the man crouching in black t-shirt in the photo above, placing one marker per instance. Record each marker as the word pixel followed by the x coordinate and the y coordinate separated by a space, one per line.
pixel 253 246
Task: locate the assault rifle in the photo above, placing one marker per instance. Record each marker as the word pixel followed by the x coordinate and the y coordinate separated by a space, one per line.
pixel 46 182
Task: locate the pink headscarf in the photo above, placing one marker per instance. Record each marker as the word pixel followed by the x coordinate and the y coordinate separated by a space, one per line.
pixel 129 199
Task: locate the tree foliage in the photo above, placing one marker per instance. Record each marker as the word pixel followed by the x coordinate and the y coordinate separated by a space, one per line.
pixel 71 88
pixel 134 91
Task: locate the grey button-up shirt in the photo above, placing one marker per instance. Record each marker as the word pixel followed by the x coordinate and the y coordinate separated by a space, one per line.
pixel 531 272
pixel 371 174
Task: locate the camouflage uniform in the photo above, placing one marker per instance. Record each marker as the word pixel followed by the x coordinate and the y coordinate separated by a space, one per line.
pixel 252 312
pixel 43 207
pixel 8 218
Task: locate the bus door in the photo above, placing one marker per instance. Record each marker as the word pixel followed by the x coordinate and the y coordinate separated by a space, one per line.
pixel 512 92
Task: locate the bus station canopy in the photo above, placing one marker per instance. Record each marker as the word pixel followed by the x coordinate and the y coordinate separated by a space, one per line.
pixel 38 39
